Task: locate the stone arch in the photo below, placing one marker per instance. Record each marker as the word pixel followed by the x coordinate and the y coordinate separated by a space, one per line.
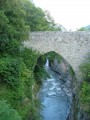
pixel 57 59
pixel 73 46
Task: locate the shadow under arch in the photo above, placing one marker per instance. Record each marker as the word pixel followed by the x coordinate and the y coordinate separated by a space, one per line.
pixel 57 63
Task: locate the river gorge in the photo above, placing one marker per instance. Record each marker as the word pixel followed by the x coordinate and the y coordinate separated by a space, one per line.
pixel 60 89
pixel 55 102
pixel 57 92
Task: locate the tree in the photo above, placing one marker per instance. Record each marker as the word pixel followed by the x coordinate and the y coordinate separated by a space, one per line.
pixel 13 28
pixel 37 19
pixel 8 113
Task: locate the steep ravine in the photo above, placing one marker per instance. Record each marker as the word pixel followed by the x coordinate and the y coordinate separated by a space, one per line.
pixel 67 74
pixel 71 86
pixel 54 99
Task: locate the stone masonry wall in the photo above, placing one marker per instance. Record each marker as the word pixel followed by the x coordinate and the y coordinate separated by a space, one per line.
pixel 73 46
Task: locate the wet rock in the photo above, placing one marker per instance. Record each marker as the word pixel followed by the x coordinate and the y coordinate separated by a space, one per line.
pixel 62 68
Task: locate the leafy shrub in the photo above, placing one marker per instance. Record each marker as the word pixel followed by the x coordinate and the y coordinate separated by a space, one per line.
pixel 85 69
pixel 85 90
pixel 14 73
pixel 29 57
pixel 40 73
pixel 26 81
pixel 85 96
pixel 8 113
pixel 9 71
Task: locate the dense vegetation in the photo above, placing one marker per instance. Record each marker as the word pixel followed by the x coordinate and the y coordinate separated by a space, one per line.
pixel 85 90
pixel 37 19
pixel 17 84
pixel 8 113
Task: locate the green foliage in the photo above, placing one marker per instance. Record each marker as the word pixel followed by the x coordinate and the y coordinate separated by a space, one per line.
pixel 17 81
pixel 9 71
pixel 72 73
pixel 13 28
pixel 37 19
pixel 8 113
pixel 40 74
pixel 85 91
pixel 34 111
pixel 29 57
pixel 85 96
pixel 85 68
pixel 26 82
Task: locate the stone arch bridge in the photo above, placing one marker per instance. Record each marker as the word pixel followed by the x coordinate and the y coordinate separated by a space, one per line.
pixel 73 46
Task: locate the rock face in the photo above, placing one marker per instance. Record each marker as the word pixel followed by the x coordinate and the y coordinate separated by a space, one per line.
pixel 65 73
pixel 62 68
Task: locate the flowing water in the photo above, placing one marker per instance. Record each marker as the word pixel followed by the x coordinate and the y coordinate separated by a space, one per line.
pixel 55 102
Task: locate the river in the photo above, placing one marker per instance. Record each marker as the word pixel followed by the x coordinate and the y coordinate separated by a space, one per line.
pixel 54 100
